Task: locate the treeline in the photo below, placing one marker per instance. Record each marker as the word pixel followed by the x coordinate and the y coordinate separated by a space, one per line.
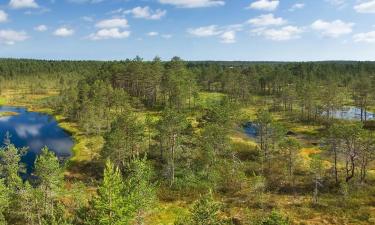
pixel 29 67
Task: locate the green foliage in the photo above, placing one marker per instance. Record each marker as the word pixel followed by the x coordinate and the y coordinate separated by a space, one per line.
pixel 275 218
pixel 50 179
pixel 171 128
pixel 138 190
pixel 205 211
pixel 124 142
pixel 110 205
pixel 120 200
pixel 10 165
pixel 4 201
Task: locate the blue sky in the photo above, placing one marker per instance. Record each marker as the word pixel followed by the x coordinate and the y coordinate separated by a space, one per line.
pixel 282 30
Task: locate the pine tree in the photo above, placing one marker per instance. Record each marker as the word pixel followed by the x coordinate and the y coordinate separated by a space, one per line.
pixel 123 142
pixel 138 191
pixel 4 201
pixel 110 206
pixel 49 181
pixel 206 211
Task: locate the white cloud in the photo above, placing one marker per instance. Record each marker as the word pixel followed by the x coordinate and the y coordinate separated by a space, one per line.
pixel 167 36
pixel 112 23
pixel 63 32
pixel 267 20
pixel 85 1
pixel 193 3
pixel 41 28
pixel 18 4
pixel 10 37
pixel 227 34
pixel 147 13
pixel 332 29
pixel 336 2
pixel 205 31
pixel 25 131
pixel 365 7
pixel 297 6
pixel 228 37
pixel 281 34
pixel 267 5
pixel 111 33
pixel 3 16
pixel 87 18
pixel 368 37
pixel 152 33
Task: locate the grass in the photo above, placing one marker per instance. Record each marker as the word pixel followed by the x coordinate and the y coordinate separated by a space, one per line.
pixel 6 114
pixel 165 213
pixel 2 101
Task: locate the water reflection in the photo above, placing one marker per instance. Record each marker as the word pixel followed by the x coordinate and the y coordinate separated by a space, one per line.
pixel 351 113
pixel 34 130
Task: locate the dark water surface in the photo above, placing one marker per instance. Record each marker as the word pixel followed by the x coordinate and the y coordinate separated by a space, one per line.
pixel 35 131
pixel 251 129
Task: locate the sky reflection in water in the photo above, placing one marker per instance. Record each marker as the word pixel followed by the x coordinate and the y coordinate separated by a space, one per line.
pixel 34 130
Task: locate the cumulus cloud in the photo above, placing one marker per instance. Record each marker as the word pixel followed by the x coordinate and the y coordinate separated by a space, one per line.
pixel 336 2
pixel 147 13
pixel 152 34
pixel 85 1
pixel 111 33
pixel 267 20
pixel 19 4
pixel 297 6
pixel 63 32
pixel 10 37
pixel 41 28
pixel 280 34
pixel 365 7
pixel 167 36
pixel 368 37
pixel 112 23
pixel 3 16
pixel 226 34
pixel 332 29
pixel 87 18
pixel 267 5
pixel 228 37
pixel 206 31
pixel 193 3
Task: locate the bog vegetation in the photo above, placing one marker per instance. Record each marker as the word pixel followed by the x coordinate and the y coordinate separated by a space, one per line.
pixel 163 143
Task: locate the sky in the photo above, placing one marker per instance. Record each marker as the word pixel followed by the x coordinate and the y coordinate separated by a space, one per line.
pixel 247 30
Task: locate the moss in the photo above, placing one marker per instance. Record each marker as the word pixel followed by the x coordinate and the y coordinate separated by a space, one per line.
pixel 2 101
pixel 166 213
pixel 5 114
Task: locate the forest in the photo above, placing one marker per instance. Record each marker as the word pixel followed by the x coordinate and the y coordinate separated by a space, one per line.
pixel 168 142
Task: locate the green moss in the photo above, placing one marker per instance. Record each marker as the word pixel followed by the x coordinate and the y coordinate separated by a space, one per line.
pixel 4 114
pixel 2 101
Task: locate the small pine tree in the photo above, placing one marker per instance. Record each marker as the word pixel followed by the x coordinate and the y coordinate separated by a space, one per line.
pixel 110 207
pixel 206 211
pixel 138 190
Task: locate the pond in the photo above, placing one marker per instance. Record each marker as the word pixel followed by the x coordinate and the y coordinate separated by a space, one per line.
pixel 351 113
pixel 35 131
pixel 347 113
pixel 251 129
